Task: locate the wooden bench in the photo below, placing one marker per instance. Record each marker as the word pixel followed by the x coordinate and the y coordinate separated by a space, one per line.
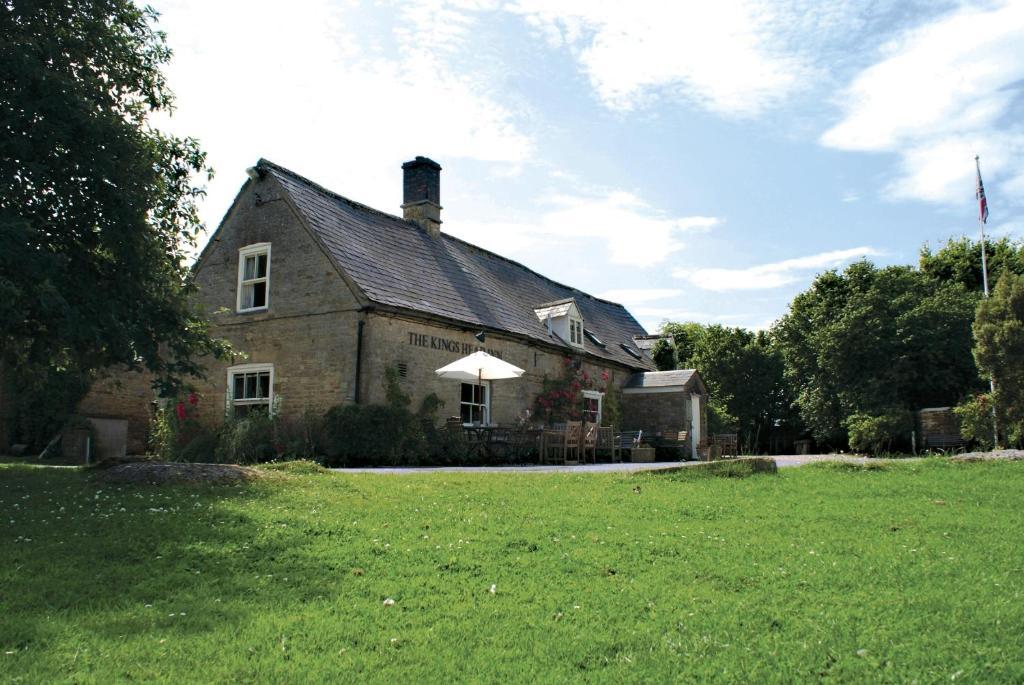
pixel 675 436
pixel 628 440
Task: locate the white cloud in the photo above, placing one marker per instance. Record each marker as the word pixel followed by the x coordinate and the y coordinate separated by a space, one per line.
pixel 728 55
pixel 632 232
pixel 772 275
pixel 940 95
pixel 306 86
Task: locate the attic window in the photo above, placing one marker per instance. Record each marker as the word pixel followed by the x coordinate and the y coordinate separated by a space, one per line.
pixel 575 332
pixel 253 277
pixel 593 338
pixel 630 351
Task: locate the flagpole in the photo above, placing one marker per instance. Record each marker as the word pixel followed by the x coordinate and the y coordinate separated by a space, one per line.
pixel 982 217
pixel 981 225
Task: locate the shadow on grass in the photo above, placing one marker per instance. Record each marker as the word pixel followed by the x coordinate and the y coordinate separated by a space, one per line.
pixel 120 561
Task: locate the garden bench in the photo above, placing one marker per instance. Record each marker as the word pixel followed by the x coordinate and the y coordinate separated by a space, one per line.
pixel 628 440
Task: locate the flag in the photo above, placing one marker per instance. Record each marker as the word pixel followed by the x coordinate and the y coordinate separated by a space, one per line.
pixel 982 202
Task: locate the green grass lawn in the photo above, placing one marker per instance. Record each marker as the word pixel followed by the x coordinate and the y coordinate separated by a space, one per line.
pixel 822 573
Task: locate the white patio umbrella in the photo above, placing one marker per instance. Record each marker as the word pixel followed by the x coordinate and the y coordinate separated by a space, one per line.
pixel 479 367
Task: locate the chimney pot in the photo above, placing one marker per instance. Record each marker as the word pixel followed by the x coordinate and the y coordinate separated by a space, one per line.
pixel 421 194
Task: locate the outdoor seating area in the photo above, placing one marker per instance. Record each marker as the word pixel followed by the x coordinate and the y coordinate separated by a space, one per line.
pixel 572 442
pixel 475 438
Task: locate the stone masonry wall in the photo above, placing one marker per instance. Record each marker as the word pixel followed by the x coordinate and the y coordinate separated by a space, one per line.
pixel 423 348
pixel 123 395
pixel 655 413
pixel 308 330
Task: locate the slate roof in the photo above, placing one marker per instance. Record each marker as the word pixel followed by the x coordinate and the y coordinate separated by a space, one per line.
pixel 662 379
pixel 397 264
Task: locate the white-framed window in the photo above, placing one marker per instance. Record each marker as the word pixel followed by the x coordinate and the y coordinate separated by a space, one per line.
pixel 250 388
pixel 254 277
pixel 592 401
pixel 475 404
pixel 575 332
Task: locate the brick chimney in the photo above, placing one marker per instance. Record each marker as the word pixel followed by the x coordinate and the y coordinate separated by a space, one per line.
pixel 421 200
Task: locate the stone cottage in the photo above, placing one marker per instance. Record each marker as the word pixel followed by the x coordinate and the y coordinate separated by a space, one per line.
pixel 320 295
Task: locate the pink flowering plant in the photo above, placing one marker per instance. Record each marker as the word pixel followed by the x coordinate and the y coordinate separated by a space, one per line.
pixel 562 398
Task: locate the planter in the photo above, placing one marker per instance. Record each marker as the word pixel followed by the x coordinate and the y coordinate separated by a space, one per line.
pixel 641 454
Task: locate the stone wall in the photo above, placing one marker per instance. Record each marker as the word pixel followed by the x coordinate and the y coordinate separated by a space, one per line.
pixel 123 395
pixel 657 412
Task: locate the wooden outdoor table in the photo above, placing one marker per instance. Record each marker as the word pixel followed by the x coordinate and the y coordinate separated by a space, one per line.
pixel 500 442
pixel 487 441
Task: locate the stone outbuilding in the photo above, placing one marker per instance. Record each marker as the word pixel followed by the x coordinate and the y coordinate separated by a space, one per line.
pixel 660 401
pixel 320 295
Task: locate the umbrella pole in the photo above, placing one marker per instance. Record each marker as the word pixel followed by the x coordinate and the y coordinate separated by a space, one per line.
pixel 480 384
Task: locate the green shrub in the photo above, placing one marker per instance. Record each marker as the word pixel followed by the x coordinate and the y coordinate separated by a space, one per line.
pixel 247 440
pixel 299 467
pixel 299 438
pixel 362 434
pixel 877 434
pixel 975 414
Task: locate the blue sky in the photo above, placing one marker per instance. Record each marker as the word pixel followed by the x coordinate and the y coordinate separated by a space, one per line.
pixel 694 161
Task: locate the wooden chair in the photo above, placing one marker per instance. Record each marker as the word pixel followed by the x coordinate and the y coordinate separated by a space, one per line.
pixel 573 441
pixel 590 441
pixel 552 445
pixel 606 441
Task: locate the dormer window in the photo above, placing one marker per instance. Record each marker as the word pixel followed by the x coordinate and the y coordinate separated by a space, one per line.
pixel 253 277
pixel 575 332
pixel 563 319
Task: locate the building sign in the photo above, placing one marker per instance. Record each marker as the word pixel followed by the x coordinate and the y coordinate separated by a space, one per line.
pixel 448 345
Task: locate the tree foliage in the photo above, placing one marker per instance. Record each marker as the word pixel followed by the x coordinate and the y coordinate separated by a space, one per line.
pixel 871 341
pixel 999 351
pixel 743 372
pixel 959 261
pixel 97 208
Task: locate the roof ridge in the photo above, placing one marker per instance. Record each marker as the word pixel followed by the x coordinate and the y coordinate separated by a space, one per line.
pixel 359 205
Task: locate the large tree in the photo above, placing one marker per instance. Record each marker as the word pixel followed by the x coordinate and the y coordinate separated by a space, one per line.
pixel 97 208
pixel 872 341
pixel 999 351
